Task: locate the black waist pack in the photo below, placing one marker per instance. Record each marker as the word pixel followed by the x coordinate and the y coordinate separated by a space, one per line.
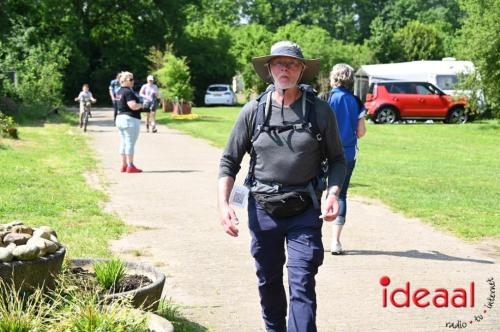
pixel 284 205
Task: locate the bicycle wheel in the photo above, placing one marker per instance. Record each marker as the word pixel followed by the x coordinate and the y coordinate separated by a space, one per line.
pixel 85 121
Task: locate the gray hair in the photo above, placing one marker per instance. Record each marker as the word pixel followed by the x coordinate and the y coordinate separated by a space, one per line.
pixel 342 75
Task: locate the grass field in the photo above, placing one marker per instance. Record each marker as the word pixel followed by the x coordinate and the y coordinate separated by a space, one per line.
pixel 213 123
pixel 448 175
pixel 42 183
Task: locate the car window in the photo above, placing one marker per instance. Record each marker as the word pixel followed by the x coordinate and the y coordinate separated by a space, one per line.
pixel 400 88
pixel 446 82
pixel 218 89
pixel 422 89
pixel 434 90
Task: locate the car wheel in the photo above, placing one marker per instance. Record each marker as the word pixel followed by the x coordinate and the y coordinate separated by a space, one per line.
pixel 386 114
pixel 457 116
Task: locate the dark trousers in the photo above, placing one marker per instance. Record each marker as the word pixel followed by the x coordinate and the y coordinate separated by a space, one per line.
pixel 115 110
pixel 302 236
pixel 350 164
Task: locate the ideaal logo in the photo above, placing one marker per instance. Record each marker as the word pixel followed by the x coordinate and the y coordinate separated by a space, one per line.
pixel 438 298
pixel 423 297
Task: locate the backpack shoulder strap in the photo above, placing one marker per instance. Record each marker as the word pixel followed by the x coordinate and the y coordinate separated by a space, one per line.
pixel 311 117
pixel 261 118
pixel 262 113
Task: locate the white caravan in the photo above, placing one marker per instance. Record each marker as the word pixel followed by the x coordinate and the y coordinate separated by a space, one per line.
pixel 443 74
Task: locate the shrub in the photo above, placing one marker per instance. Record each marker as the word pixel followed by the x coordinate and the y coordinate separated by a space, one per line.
pixel 174 79
pixel 39 65
pixel 110 273
pixel 7 126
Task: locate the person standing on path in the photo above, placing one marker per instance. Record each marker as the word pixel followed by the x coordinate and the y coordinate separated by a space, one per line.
pixel 114 86
pixel 288 132
pixel 128 121
pixel 149 93
pixel 350 114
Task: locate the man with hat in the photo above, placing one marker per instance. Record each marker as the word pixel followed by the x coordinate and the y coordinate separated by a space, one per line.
pixel 291 136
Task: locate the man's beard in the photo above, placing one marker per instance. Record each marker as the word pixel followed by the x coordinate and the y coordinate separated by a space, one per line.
pixel 284 86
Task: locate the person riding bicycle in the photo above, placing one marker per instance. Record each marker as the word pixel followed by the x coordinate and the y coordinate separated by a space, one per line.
pixel 85 98
pixel 149 93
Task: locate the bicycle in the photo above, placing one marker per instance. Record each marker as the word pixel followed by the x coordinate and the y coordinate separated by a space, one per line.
pixel 84 117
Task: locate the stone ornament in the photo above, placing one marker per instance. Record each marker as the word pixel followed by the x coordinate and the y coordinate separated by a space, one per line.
pixel 22 242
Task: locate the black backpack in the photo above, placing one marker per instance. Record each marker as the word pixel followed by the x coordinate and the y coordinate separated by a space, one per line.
pixel 309 122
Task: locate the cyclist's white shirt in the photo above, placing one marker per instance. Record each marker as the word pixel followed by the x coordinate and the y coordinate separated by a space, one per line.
pixel 82 97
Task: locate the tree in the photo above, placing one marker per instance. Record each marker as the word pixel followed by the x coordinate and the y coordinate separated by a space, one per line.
pixel 443 15
pixel 479 42
pixel 317 43
pixel 344 20
pixel 417 41
pixel 248 41
pixel 103 36
pixel 206 44
pixel 39 66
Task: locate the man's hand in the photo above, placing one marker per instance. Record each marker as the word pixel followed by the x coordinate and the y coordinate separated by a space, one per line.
pixel 229 220
pixel 330 209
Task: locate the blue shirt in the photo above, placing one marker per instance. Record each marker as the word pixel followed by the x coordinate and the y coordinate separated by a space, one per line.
pixel 348 113
pixel 114 86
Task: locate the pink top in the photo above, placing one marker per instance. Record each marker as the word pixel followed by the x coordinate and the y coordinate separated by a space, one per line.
pixel 148 91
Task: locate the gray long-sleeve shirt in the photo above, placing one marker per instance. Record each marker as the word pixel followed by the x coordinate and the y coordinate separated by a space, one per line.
pixel 291 157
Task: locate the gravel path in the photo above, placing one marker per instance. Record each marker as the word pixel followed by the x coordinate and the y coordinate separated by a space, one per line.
pixel 174 204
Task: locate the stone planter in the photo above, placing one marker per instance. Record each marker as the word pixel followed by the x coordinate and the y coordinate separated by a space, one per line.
pixel 39 272
pixel 146 297
pixel 182 108
pixel 167 106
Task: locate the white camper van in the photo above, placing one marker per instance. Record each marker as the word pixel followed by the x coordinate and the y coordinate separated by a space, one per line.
pixel 443 74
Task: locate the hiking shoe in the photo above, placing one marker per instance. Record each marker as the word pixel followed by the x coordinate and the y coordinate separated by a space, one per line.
pixel 336 248
pixel 133 169
pixel 154 130
pixel 124 168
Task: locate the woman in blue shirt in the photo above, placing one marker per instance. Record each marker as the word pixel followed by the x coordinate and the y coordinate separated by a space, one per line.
pixel 350 114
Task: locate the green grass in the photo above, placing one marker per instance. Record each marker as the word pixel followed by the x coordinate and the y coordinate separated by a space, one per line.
pixel 42 183
pixel 173 313
pixel 214 123
pixel 448 175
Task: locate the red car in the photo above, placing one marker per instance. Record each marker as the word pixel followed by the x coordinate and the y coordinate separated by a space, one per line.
pixel 388 102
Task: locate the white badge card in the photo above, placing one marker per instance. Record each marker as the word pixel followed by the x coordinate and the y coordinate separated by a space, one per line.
pixel 239 196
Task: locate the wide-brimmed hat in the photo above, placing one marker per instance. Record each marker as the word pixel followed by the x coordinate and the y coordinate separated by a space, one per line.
pixel 288 49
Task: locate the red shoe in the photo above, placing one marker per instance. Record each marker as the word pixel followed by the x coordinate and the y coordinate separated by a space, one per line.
pixel 124 168
pixel 133 169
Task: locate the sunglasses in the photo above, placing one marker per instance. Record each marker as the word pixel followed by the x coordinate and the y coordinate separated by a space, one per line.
pixel 287 64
